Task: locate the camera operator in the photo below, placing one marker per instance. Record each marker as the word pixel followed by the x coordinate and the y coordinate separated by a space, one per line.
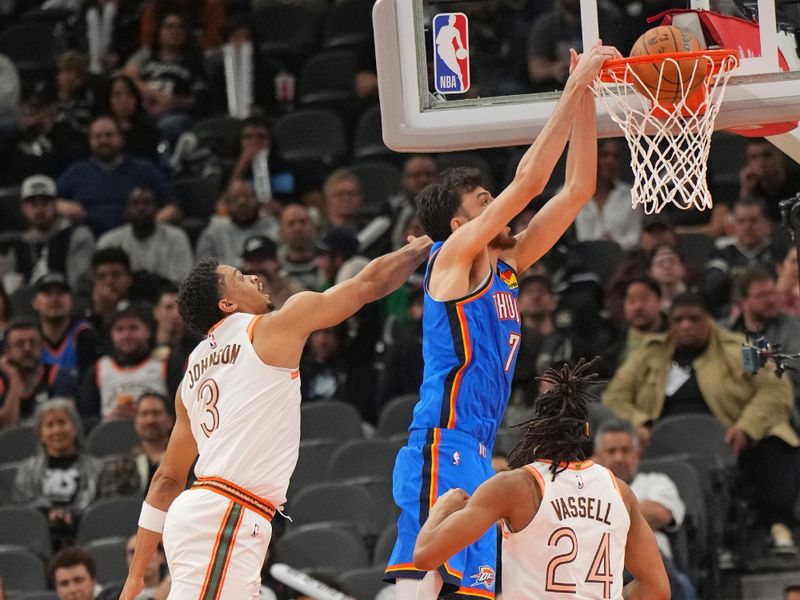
pixel 696 367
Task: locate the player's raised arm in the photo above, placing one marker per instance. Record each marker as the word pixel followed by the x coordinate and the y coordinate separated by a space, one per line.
pixel 309 311
pixel 168 482
pixel 557 215
pixel 642 558
pixel 534 169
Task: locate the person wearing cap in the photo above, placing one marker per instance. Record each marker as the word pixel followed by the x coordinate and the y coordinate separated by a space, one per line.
pixel 224 237
pixel 100 185
pixel 696 368
pixel 68 340
pixel 159 248
pixel 334 249
pixel 50 244
pixel 296 252
pixel 260 257
pixel 39 144
pixel 25 381
pixel 113 383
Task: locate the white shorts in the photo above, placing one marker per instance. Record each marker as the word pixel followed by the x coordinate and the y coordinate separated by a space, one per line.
pixel 215 547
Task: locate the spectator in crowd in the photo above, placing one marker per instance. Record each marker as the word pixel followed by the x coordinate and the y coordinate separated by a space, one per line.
pixel 9 95
pixel 787 286
pixel 40 145
pixel 169 325
pixel 156 583
pixel 98 188
pixel 419 171
pixel 159 248
pixel 696 367
pixel 656 233
pixel 124 103
pixel 608 216
pixel 208 16
pixel 323 368
pixel 77 103
pixel 25 381
pixel 616 447
pixel 224 237
pixel 752 242
pixel 343 200
pixel 131 474
pixel 403 370
pixel 50 244
pixel 73 574
pixel 766 175
pixel 260 257
pixel 5 310
pixel 297 234
pixel 61 478
pixel 336 248
pixel 117 379
pixel 254 138
pixel 170 75
pixel 667 268
pixel 112 282
pixel 791 592
pixel 69 341
pixel 642 314
pixel 760 314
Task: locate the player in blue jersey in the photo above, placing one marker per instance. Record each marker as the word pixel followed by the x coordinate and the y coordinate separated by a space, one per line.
pixel 471 328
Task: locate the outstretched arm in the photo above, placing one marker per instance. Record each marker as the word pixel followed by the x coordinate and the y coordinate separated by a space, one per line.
pixel 533 170
pixel 168 481
pixel 552 221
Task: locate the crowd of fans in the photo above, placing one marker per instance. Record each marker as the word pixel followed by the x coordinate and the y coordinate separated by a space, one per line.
pixel 95 150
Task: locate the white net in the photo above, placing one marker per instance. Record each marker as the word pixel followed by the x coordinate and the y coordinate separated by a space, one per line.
pixel 669 141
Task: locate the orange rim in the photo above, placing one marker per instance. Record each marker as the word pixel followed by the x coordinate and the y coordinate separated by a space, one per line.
pixel 616 70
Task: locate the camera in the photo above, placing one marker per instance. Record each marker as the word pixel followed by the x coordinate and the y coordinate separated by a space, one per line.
pixel 756 354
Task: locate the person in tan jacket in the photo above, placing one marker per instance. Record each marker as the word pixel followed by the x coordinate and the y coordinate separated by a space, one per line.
pixel 696 367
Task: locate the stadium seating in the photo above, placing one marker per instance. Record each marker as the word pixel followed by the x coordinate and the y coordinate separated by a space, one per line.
pixel 117 436
pixel 111 517
pixel 25 527
pixel 328 419
pixel 322 546
pixel 21 570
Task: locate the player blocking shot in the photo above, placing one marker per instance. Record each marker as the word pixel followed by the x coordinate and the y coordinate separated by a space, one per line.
pixel 238 414
pixel 471 329
pixel 569 526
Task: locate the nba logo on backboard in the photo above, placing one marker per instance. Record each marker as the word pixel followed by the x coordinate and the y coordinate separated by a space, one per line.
pixel 451 53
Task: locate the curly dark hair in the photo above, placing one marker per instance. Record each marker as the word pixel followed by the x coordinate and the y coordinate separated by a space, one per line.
pixel 558 432
pixel 439 202
pixel 199 296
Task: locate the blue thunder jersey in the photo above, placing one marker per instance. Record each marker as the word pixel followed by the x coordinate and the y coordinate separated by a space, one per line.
pixel 470 347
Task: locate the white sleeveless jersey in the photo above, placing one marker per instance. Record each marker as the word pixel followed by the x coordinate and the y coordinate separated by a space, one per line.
pixel 123 385
pixel 575 544
pixel 244 414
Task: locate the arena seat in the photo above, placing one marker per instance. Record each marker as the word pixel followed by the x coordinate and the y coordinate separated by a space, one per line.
pixel 329 419
pixel 117 436
pixel 348 24
pixel 111 517
pixel 322 546
pixel 384 546
pixel 337 502
pixel 363 584
pixel 311 134
pixel 17 443
pixel 396 414
pixel 363 458
pixel 312 463
pixel 21 570
pixel 368 137
pixel 25 527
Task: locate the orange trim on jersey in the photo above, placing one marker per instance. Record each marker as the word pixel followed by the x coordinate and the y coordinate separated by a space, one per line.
pixel 462 321
pixel 572 466
pixel 229 554
pixel 433 492
pixel 295 373
pixel 217 324
pixel 238 494
pixel 252 326
pixel 476 593
pixel 402 567
pixel 615 484
pixel 453 572
pixel 537 476
pixel 220 532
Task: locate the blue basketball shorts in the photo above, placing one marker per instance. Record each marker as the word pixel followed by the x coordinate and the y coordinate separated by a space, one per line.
pixel 433 462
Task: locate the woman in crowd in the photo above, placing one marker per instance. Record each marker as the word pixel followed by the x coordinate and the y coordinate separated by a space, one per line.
pixel 124 103
pixel 61 478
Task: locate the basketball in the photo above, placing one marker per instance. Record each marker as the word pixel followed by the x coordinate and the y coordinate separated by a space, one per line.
pixel 461 54
pixel 677 78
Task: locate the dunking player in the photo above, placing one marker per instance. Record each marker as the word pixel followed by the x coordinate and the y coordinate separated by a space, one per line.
pixel 238 408
pixel 471 326
pixel 569 526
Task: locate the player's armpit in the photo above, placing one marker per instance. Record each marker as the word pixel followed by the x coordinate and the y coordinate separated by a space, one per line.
pixel 642 557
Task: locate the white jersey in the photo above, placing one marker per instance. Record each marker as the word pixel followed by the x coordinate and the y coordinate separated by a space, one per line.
pixel 244 414
pixel 575 543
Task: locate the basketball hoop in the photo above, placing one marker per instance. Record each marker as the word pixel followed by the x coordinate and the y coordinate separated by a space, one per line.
pixel 669 139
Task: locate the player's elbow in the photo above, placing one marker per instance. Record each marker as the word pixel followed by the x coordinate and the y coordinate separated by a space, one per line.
pixel 424 558
pixel 581 190
pixel 529 180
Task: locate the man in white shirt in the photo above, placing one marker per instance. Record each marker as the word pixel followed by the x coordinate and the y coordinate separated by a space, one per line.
pixel 616 447
pixel 608 215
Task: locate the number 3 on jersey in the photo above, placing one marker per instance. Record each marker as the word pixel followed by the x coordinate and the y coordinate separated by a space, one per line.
pixel 208 394
pixel 513 342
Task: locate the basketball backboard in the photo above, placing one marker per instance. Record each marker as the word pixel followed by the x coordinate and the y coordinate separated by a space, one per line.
pixel 515 66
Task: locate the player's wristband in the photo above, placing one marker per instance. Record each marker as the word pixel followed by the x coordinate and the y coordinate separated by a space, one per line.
pixel 151 518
